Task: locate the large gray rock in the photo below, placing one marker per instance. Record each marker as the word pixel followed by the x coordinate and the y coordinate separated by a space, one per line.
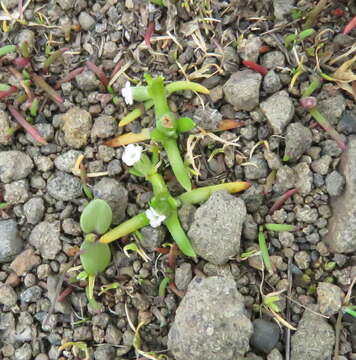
pixel 242 90
pixel 216 230
pixel 64 187
pixel 279 111
pixel 8 171
pixel 298 140
pixel 210 322
pixel 314 338
pixel 341 237
pixel 10 242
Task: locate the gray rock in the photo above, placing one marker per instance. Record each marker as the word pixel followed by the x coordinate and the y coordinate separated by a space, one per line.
pixel 265 335
pixel 253 198
pixel 34 210
pixel 285 179
pixel 32 294
pixel 152 237
pixel 273 59
pixel 186 215
pixel 271 82
pixel 279 111
pixel 105 352
pixel 257 168
pixel 87 81
pixel 115 194
pixel 304 180
pixel 207 118
pixel 24 352
pixel 242 90
pixel 45 130
pixel 335 183
pixel 9 4
pixel 8 295
pixel 183 276
pixel 298 140
pixel 313 340
pixel 110 49
pixel 250 48
pixel 26 36
pixel 250 228
pixel 302 259
pixel 347 123
pixel 210 322
pixel 66 161
pixel 330 298
pixel 332 107
pixel 104 127
pixel 342 226
pixel 248 132
pixel 86 21
pixel 45 238
pixel 321 166
pixel 10 241
pixel 71 227
pixel 63 307
pixel 64 187
pixel 16 192
pixel 66 4
pixel 76 126
pixel 282 8
pixel 5 129
pixel 274 355
pixel 82 333
pixel 306 214
pixel 9 172
pixel 215 236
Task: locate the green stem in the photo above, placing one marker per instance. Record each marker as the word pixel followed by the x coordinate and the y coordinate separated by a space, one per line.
pixel 7 49
pixel 264 251
pixel 176 162
pixel 314 85
pixel 139 93
pixel 135 114
pixel 200 195
pixel 158 184
pixel 127 227
pixel 312 16
pixel 280 227
pixel 185 85
pixel 178 234
pixel 91 283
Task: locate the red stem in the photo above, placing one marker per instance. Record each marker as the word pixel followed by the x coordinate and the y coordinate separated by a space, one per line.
pixel 4 94
pixel 98 72
pixel 350 26
pixel 149 32
pixel 71 75
pixel 282 199
pixel 67 291
pixel 256 67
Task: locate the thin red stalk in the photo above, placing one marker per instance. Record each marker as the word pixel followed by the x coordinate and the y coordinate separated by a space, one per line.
pixel 256 67
pixel 263 49
pixel 40 82
pixel 98 72
pixel 67 291
pixel 282 199
pixel 21 62
pixel 350 26
pixel 71 75
pixel 26 125
pixel 172 256
pixel 116 69
pixel 173 287
pixel 163 251
pixel 149 32
pixel 5 94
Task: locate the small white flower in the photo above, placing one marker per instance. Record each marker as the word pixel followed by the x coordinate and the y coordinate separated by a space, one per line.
pixel 126 92
pixel 132 154
pixel 154 218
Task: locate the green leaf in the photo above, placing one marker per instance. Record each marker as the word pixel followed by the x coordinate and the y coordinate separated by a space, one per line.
pixel 185 124
pixel 95 257
pixel 163 286
pixel 7 49
pixel 82 275
pixel 96 217
pixel 280 227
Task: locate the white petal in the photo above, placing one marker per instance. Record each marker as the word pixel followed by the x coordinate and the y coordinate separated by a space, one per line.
pixel 126 92
pixel 154 217
pixel 132 154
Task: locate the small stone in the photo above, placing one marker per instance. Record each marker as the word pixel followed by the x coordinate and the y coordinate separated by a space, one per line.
pixel 87 81
pixel 330 298
pixel 152 237
pixel 314 338
pixel 335 183
pixel 76 126
pixel 215 236
pixel 347 123
pixel 228 331
pixel 9 4
pixel 306 214
pixel 273 59
pixel 279 111
pixel 71 227
pixel 285 179
pixel 66 161
pixel 265 335
pixel 207 118
pixel 24 262
pixel 45 238
pixel 115 194
pixel 10 241
pixel 8 295
pixel 105 352
pixel 242 90
pixel 82 333
pixel 183 275
pixel 248 132
pixel 66 4
pixel 322 165
pixel 256 169
pixel 304 181
pixel 86 21
pixel 271 82
pixel 43 163
pixel 250 228
pixel 5 129
pixel 17 192
pixel 64 187
pixel 113 335
pixel 332 107
pixel 34 210
pixel 250 48
pixel 282 8
pixel 24 352
pixel 274 355
pixel 110 49
pixel 253 198
pixel 104 127
pixel 45 130
pixel 32 294
pixel 302 260
pixel 9 172
pixel 63 307
pixel 298 140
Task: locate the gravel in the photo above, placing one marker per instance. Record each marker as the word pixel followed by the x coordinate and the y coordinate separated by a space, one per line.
pixel 9 172
pixel 207 118
pixel 335 183
pixel 104 127
pixel 265 335
pixel 24 262
pixel 271 82
pixel 213 334
pixel 282 8
pixel 66 161
pixel 8 295
pixel 10 242
pixel 298 140
pixel 256 169
pixel 86 22
pixel 5 126
pixel 330 298
pixel 34 210
pixel 16 192
pixel 64 187
pixel 183 275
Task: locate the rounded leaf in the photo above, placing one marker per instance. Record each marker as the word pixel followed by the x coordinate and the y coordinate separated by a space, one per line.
pixel 96 217
pixel 95 258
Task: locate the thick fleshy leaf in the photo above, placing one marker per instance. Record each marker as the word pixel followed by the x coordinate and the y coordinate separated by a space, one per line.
pixel 95 257
pixel 185 124
pixel 96 217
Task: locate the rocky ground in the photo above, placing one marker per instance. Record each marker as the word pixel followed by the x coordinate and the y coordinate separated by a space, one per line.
pixel 219 307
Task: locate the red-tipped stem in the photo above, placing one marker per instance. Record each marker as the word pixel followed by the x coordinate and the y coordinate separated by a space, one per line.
pixel 282 199
pixel 98 72
pixel 40 82
pixel 5 94
pixel 149 32
pixel 70 76
pixel 256 67
pixel 350 26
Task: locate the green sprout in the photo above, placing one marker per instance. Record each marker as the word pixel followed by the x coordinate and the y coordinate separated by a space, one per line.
pixel 292 39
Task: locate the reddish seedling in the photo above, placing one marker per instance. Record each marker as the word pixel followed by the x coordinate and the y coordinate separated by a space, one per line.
pixel 350 26
pixel 70 76
pixel 22 62
pixel 67 291
pixel 98 72
pixel 6 93
pixel 282 199
pixel 256 67
pixel 172 256
pixel 40 82
pixel 149 32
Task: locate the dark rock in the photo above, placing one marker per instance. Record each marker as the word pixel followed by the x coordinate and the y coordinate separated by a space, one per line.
pixel 265 335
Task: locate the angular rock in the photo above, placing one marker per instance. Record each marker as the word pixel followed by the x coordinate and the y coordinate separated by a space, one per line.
pixel 250 48
pixel 183 275
pixel 341 237
pixel 258 168
pixel 76 126
pixel 210 322
pixel 66 4
pixel 32 294
pixel 9 172
pixel 152 237
pixel 335 183
pixel 306 214
pixel 271 82
pixel 64 187
pixel 279 111
pixel 104 127
pixel 66 161
pixel 265 335
pixel 313 340
pixel 285 179
pixel 87 81
pixel 207 118
pixel 34 210
pixel 86 21
pixel 321 166
pixel 242 90
pixel 330 298
pixel 115 194
pixel 282 8
pixel 5 129
pixel 10 241
pixel 63 307
pixel 45 238
pixel 8 295
pixel 216 231
pixel 332 107
pixel 298 140
pixel 24 262
pixel 273 59
pixel 17 192
pixel 304 181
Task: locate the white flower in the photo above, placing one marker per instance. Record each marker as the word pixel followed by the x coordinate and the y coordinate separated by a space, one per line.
pixel 126 92
pixel 132 154
pixel 154 218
